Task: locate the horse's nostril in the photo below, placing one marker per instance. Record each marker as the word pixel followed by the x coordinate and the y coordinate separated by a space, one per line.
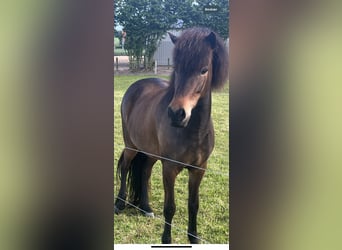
pixel 176 117
pixel 180 114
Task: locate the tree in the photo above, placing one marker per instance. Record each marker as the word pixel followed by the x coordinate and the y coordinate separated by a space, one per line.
pixel 217 21
pixel 147 21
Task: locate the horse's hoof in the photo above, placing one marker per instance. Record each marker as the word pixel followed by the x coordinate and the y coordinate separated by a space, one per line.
pixel 149 214
pixel 117 210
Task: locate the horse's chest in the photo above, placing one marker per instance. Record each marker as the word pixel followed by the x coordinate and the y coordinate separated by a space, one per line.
pixel 189 150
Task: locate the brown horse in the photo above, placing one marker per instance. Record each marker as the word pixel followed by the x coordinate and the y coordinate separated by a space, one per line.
pixel 172 120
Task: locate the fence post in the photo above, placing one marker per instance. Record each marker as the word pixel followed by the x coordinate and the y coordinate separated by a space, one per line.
pixel 168 63
pixel 117 63
pixel 155 67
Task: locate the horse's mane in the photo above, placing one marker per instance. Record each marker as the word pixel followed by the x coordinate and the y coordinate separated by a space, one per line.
pixel 192 42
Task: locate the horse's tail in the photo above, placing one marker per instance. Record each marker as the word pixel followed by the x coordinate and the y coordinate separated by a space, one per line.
pixel 118 169
pixel 135 178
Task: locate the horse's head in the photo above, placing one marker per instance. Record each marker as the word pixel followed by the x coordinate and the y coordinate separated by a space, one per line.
pixel 198 68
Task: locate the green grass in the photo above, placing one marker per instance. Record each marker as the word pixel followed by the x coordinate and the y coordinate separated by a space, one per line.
pixel 131 227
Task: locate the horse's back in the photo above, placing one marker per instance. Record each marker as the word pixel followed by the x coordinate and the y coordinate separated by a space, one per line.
pixel 142 91
pixel 147 84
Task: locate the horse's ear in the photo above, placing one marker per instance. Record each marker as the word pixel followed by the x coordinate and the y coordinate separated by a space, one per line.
pixel 173 38
pixel 211 39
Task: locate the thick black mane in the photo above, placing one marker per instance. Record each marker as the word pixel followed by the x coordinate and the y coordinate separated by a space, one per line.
pixel 192 52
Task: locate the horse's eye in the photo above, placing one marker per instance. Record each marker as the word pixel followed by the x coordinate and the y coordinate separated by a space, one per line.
pixel 204 70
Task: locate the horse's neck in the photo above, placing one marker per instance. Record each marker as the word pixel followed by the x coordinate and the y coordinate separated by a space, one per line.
pixel 201 114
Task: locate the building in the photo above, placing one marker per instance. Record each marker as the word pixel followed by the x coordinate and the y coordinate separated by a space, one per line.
pixel 163 54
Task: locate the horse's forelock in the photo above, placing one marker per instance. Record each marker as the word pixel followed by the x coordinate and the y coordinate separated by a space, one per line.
pixel 192 51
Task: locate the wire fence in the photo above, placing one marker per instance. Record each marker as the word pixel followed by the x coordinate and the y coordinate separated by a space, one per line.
pixel 161 219
pixel 176 162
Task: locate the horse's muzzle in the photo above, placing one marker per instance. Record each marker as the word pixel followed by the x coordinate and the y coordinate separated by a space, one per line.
pixel 178 117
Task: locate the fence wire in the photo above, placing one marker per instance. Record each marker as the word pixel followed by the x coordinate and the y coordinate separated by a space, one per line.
pixel 177 162
pixel 160 218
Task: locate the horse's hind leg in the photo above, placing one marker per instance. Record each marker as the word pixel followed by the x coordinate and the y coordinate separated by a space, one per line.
pixel 123 168
pixel 146 174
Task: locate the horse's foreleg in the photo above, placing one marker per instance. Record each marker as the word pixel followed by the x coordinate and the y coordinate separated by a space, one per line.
pixel 195 177
pixel 169 176
pixel 123 166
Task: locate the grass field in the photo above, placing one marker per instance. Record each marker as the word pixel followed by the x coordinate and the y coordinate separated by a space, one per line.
pixel 130 227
